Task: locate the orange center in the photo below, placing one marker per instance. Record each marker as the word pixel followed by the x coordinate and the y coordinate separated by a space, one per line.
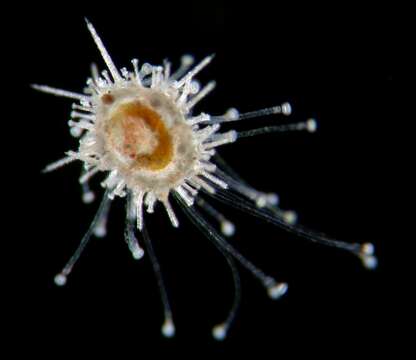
pixel 138 132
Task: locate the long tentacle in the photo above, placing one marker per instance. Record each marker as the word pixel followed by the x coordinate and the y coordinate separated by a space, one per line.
pixel 219 331
pixel 168 327
pixel 275 289
pixel 61 278
pixel 364 251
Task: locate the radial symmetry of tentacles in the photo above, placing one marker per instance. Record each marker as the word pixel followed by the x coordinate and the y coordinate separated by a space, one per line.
pixel 138 128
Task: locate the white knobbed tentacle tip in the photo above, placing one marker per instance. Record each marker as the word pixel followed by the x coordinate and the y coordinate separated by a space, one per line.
pixel 272 199
pixel 367 256
pixel 137 253
pixel 100 231
pixel 195 87
pixel 219 332
pixel 261 201
pixel 277 290
pixel 232 136
pixel 286 109
pixel 146 69
pixel 367 249
pixel 88 197
pixel 231 114
pixel 75 132
pixel 60 279
pixel 168 328
pixel 227 228
pixel 311 125
pixel 187 60
pixel 290 217
pixel 370 262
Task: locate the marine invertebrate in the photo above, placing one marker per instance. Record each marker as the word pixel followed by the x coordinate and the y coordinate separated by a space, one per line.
pixel 139 128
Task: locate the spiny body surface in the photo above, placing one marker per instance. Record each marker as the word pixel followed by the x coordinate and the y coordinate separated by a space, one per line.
pixel 138 127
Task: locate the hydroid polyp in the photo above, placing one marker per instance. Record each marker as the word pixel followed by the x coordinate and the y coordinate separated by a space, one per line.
pixel 138 128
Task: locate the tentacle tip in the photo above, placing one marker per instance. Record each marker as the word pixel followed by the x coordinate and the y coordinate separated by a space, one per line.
pixel 168 328
pixel 290 217
pixel 277 290
pixel 187 60
pixel 36 86
pixel 286 109
pixel 88 197
pixel 174 221
pixel 60 279
pixel 367 256
pixel 311 125
pixel 370 262
pixel 367 249
pixel 219 332
pixel 272 199
pixel 75 132
pixel 232 114
pixel 137 253
pixel 261 201
pixel 100 231
pixel 227 228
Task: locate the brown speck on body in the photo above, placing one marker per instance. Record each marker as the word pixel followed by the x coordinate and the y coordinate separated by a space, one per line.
pixel 107 99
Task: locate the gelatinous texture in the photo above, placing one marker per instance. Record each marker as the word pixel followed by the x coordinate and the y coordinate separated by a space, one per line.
pixel 138 132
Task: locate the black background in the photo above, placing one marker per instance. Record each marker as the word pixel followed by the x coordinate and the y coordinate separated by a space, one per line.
pixel 337 65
